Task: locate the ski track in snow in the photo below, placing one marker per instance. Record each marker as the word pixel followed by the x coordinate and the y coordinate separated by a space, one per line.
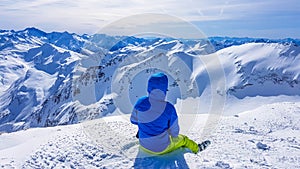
pixel 266 137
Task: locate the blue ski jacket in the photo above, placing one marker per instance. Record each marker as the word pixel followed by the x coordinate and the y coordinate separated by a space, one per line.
pixel 156 118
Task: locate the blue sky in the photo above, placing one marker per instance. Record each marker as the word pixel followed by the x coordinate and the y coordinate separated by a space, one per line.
pixel 239 18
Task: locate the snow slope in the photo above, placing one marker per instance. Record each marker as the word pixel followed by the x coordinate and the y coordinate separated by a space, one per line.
pixel 262 69
pixel 266 137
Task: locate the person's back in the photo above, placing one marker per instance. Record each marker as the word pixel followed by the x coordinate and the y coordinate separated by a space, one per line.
pixel 157 120
pixel 156 123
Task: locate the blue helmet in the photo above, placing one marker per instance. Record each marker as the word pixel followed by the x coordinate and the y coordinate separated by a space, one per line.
pixel 158 81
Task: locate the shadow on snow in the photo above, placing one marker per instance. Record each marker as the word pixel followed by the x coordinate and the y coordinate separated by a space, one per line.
pixel 174 159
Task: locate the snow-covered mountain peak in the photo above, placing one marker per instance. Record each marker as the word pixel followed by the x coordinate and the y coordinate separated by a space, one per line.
pixel 262 69
pixel 32 32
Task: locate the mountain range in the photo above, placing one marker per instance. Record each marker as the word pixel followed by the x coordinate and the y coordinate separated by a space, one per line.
pixel 58 78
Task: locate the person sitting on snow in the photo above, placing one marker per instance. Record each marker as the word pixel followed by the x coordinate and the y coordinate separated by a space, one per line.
pixel 157 121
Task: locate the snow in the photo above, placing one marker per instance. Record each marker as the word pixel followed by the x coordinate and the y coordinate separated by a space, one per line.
pixel 265 137
pixel 260 69
pixel 17 147
pixel 244 97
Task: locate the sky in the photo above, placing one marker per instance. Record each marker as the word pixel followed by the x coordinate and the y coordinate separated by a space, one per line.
pixel 235 18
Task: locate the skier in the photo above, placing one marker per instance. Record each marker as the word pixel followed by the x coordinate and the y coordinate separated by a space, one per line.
pixel 157 121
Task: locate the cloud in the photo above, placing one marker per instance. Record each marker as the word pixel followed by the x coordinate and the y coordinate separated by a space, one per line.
pixel 153 24
pixel 91 15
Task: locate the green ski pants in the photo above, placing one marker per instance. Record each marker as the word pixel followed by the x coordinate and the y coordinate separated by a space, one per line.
pixel 176 143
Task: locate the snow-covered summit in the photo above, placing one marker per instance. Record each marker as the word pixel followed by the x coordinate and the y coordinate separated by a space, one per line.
pixel 264 69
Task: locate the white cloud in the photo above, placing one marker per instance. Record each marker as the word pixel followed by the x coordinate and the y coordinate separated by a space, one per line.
pixel 90 15
pixel 105 10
